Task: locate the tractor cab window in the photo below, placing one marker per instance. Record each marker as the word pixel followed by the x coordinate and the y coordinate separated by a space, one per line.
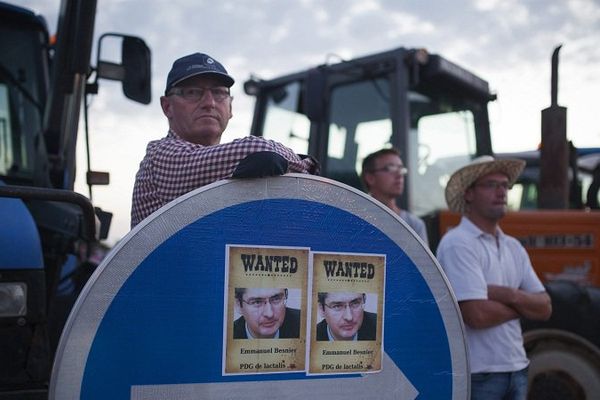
pixel 589 175
pixel 284 121
pixel 524 193
pixel 21 99
pixel 6 147
pixel 360 123
pixel 442 140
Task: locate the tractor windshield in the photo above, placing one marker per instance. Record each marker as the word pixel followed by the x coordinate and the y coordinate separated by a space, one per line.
pixel 23 83
pixel 438 135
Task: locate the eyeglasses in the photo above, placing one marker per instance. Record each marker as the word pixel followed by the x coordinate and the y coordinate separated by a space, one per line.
pixel 259 302
pixel 392 169
pixel 219 94
pixel 489 185
pixel 341 306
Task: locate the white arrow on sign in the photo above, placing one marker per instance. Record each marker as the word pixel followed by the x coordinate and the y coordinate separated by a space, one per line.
pixel 389 384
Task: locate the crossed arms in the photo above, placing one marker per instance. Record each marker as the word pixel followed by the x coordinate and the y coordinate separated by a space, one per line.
pixel 503 304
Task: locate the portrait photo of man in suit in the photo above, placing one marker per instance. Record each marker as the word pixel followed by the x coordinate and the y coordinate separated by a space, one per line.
pixel 344 317
pixel 264 314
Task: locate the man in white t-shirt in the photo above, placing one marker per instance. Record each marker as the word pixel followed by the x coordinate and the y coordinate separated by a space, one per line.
pixel 492 278
pixel 383 176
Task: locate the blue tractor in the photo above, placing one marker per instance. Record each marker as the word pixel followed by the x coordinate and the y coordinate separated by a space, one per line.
pixel 49 234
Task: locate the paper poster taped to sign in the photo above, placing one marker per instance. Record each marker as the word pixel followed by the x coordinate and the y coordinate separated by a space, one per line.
pixel 265 298
pixel 347 296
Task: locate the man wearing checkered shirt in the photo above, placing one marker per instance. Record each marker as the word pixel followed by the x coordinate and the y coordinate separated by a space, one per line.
pixel 197 104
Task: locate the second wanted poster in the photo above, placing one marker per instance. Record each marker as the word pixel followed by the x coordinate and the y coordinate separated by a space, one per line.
pixel 346 326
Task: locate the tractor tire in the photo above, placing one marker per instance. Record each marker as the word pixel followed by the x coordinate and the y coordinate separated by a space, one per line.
pixel 564 351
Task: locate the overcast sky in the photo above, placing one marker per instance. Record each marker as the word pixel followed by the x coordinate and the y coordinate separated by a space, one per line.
pixel 507 42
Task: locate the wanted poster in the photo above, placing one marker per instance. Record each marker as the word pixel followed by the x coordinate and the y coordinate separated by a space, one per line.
pixel 346 326
pixel 265 303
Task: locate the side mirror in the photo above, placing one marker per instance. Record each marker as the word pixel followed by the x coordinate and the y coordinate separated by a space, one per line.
pixel 133 71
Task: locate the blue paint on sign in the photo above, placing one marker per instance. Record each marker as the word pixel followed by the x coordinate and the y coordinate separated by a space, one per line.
pixel 165 324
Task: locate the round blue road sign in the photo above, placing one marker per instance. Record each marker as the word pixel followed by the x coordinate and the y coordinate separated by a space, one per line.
pixel 151 322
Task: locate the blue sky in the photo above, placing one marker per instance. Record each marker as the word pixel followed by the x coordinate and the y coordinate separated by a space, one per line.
pixel 506 42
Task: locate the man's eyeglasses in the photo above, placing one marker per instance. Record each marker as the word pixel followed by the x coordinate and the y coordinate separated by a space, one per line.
pixel 392 169
pixel 219 94
pixel 260 302
pixel 494 185
pixel 341 306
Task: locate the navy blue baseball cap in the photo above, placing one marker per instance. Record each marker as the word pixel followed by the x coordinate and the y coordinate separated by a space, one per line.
pixel 196 64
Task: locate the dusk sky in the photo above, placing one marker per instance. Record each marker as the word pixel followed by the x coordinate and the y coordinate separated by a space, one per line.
pixel 506 42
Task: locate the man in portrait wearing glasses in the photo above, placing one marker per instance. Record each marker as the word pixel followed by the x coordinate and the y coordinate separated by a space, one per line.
pixel 344 317
pixel 198 105
pixel 264 314
pixel 492 278
pixel 383 177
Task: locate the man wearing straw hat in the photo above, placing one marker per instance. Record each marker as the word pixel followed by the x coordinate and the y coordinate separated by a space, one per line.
pixel 492 278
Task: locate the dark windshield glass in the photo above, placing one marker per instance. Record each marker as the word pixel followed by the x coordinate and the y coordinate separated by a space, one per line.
pixel 23 72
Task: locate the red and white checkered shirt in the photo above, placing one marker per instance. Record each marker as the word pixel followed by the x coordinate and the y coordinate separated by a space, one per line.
pixel 173 166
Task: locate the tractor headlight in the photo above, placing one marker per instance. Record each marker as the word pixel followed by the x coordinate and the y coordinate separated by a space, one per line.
pixel 13 299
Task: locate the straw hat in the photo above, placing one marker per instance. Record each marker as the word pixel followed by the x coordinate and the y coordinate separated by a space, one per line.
pixel 463 178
